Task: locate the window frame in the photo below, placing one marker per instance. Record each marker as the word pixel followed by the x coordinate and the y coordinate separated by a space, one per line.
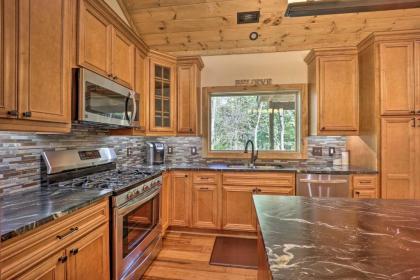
pixel 240 90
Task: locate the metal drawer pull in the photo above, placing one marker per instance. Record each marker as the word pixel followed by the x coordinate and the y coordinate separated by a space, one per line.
pixel 13 113
pixel 323 181
pixel 204 178
pixel 73 229
pixel 62 259
pixel 365 182
pixel 74 251
pixel 204 188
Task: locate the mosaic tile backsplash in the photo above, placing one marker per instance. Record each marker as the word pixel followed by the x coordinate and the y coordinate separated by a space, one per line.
pixel 20 153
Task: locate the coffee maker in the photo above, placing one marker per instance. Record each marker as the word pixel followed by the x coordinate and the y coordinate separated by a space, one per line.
pixel 155 153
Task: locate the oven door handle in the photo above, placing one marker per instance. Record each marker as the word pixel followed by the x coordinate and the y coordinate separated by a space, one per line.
pixel 133 204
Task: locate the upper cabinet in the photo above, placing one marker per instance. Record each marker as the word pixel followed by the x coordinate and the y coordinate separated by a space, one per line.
pixel 417 75
pixel 189 95
pixel 162 114
pixel 103 48
pixel 396 72
pixel 333 91
pixel 35 70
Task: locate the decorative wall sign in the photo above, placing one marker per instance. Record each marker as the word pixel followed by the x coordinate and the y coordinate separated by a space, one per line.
pixel 254 82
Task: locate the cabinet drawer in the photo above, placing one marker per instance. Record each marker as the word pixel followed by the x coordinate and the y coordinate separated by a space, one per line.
pixel 276 190
pixel 364 181
pixel 259 179
pixel 205 178
pixel 364 193
pixel 35 246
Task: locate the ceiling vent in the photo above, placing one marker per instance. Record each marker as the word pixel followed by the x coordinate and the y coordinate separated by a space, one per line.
pixel 248 17
pixel 300 8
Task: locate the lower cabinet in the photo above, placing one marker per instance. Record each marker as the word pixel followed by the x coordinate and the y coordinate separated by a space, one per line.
pixel 88 258
pixel 165 203
pixel 73 247
pixel 205 204
pixel 238 208
pixel 180 209
pixel 365 186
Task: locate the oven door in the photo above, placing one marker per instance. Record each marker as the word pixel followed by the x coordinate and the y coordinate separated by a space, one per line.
pixel 136 229
pixel 103 101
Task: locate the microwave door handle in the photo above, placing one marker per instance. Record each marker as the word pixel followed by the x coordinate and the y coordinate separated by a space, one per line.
pixel 134 114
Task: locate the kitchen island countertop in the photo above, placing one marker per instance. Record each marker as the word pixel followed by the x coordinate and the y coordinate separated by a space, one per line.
pixel 308 238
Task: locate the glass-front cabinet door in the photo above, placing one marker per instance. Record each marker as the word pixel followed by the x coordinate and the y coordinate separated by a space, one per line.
pixel 162 96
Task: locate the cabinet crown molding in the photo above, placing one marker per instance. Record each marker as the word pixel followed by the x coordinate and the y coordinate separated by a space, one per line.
pixel 188 60
pixel 384 36
pixel 329 52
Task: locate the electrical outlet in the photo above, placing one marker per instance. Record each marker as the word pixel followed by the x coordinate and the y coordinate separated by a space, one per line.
pixel 317 151
pixel 129 152
pixel 193 151
pixel 170 150
pixel 331 151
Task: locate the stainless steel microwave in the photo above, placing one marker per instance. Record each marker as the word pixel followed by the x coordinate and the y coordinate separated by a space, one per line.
pixel 101 101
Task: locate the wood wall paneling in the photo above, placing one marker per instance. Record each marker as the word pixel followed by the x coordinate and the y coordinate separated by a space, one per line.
pixel 209 27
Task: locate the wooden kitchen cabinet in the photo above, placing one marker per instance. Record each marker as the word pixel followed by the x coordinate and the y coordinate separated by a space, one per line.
pixel 141 88
pixel 8 51
pixel 180 209
pixel 51 268
pixel 49 251
pixel 333 91
pixel 189 95
pixel 88 258
pixel 398 157
pixel 417 75
pixel 162 112
pixel 238 211
pixel 365 186
pixel 396 62
pixel 103 48
pixel 206 196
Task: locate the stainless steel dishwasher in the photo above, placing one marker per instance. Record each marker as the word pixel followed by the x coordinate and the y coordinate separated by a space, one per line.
pixel 323 185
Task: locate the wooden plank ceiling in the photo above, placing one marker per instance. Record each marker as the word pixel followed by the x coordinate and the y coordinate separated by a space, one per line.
pixel 208 27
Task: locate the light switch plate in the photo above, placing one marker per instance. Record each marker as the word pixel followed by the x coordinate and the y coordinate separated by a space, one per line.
pixel 331 151
pixel 170 150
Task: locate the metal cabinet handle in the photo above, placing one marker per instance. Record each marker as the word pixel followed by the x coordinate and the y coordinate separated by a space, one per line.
pixel 414 122
pixel 62 259
pixel 418 112
pixel 204 178
pixel 27 114
pixel 73 229
pixel 115 77
pixel 13 113
pixel 110 75
pixel 412 112
pixel 365 182
pixel 322 128
pixel 418 122
pixel 74 251
pixel 204 188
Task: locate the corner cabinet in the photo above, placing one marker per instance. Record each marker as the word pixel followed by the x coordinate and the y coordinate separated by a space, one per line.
pixel 162 112
pixel 103 48
pixel 333 91
pixel 189 95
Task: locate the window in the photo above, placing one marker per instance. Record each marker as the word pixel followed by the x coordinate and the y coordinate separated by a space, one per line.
pixel 271 119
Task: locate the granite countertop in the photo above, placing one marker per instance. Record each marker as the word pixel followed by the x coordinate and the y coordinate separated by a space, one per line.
pixel 23 211
pixel 318 169
pixel 340 238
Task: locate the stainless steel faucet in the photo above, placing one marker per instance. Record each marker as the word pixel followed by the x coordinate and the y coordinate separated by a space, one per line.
pixel 254 155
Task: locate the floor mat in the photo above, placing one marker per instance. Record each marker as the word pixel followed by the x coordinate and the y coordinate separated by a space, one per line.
pixel 235 252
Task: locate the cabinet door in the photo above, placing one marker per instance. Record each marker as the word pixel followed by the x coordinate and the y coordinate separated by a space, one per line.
pixel 397 78
pixel 162 97
pixel 165 203
pixel 187 100
pixel 8 106
pixel 180 199
pixel 338 94
pixel 205 206
pixel 417 155
pixel 417 75
pixel 238 208
pixel 140 87
pixel 398 158
pixel 50 269
pixel 44 60
pixel 88 258
pixel 122 59
pixel 94 50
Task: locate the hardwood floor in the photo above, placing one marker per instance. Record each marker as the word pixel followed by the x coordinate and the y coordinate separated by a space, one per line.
pixel 186 256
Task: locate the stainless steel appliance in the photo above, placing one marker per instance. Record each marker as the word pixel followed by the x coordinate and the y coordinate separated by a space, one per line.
pixel 323 185
pixel 155 153
pixel 101 101
pixel 135 223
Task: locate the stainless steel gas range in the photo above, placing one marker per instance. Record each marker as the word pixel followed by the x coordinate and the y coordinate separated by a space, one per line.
pixel 135 225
